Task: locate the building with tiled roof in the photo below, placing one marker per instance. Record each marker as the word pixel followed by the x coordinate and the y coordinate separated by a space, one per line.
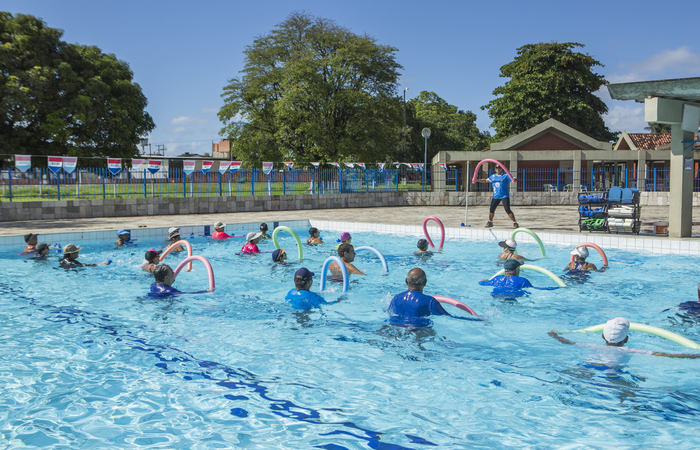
pixel 643 141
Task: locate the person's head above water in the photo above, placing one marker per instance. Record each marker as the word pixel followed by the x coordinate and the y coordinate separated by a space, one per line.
pixel 152 256
pixel 30 238
pixel 313 232
pixel 346 252
pixel 42 249
pixel 219 226
pixel 164 275
pixel 422 244
pixel 512 266
pixel 279 255
pixel 303 279
pixel 174 234
pixel 416 280
pixel 580 253
pixel 345 238
pixel 615 332
pixel 509 244
pixel 124 235
pixel 263 227
pixel 70 251
pixel 253 237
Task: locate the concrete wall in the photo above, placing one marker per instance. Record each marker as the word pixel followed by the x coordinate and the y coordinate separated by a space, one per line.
pixel 20 211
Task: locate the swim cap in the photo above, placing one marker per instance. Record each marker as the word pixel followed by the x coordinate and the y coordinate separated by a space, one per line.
pixel 511 264
pixel 422 244
pixel 151 254
pixel 122 232
pixel 615 330
pixel 345 236
pixel 510 243
pixel 263 226
pixel 580 251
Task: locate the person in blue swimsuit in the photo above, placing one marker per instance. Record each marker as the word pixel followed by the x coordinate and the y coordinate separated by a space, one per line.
pixel 500 182
pixel 692 307
pixel 300 297
pixel 163 287
pixel 412 308
pixel 511 284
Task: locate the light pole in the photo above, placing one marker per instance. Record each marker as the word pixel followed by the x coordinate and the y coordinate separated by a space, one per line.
pixel 426 135
pixel 404 120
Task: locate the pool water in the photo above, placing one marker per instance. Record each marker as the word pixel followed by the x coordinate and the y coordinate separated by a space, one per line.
pixel 89 361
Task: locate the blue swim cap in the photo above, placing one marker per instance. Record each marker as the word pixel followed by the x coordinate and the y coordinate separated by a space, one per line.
pixel 120 232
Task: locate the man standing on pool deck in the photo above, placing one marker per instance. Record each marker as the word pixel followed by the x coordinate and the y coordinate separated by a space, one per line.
pixel 411 308
pixel 501 193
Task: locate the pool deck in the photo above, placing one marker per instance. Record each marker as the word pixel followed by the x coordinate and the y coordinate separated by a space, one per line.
pixel 553 219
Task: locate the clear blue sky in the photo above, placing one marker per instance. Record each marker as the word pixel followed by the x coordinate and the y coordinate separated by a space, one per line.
pixel 182 52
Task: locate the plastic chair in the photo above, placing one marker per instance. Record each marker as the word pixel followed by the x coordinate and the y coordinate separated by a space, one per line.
pixel 614 195
pixel 628 196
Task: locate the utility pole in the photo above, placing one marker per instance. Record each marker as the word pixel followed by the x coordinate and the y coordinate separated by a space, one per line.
pixel 404 120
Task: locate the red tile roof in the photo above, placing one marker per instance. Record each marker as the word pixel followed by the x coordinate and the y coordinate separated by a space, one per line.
pixel 649 141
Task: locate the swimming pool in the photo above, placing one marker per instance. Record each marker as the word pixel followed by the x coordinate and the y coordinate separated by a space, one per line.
pixel 88 360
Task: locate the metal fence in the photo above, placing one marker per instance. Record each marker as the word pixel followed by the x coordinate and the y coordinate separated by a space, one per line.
pixel 98 183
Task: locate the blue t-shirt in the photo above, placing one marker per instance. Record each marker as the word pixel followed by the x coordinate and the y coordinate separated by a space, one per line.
pixel 510 286
pixel 304 299
pixel 691 307
pixel 411 308
pixel 161 290
pixel 501 185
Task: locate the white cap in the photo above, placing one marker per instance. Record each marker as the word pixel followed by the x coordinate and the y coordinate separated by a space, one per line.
pixel 580 251
pixel 508 243
pixel 615 330
pixel 252 235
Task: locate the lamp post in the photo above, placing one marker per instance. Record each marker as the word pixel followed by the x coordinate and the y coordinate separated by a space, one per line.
pixel 404 120
pixel 426 135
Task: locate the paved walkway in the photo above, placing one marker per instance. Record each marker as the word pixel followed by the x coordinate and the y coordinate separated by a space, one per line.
pixel 563 219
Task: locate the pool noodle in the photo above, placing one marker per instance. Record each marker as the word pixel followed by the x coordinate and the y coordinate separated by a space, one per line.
pixel 324 271
pixel 592 245
pixel 442 231
pixel 207 264
pixel 647 329
pixel 531 233
pixel 381 257
pixel 294 235
pixel 536 269
pixel 476 169
pixel 169 249
pixel 453 302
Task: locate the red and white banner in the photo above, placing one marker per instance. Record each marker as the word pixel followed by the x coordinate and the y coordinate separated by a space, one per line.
pixel 55 163
pixel 350 165
pixel 23 162
pixel 114 165
pixel 70 163
pixel 361 165
pixel 206 165
pixel 336 165
pixel 267 167
pixel 154 165
pixel 136 164
pixel 289 165
pixel 381 167
pixel 417 166
pixel 188 167
pixel 315 164
pixel 235 165
pixel 224 166
pixel 443 165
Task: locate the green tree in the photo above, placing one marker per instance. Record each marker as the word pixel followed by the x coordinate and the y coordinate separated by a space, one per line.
pixel 658 128
pixel 549 81
pixel 313 91
pixel 450 127
pixel 65 99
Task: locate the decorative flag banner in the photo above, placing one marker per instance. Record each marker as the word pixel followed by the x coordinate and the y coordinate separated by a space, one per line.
pixel 336 165
pixel 267 167
pixel 136 164
pixel 235 165
pixel 289 165
pixel 350 165
pixel 443 165
pixel 361 165
pixel 417 166
pixel 114 165
pixel 397 164
pixel 188 167
pixel 206 165
pixel 381 167
pixel 23 162
pixel 154 166
pixel 420 166
pixel 407 164
pixel 223 166
pixel 69 163
pixel 55 163
pixel 315 164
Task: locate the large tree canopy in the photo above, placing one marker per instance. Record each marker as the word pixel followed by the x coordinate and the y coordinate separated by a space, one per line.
pixel 549 81
pixel 65 99
pixel 313 91
pixel 450 127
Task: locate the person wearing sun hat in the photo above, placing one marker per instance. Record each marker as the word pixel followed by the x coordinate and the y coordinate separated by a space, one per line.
pixel 279 255
pixel 42 251
pixel 151 260
pixel 30 239
pixel 509 246
pixel 219 232
pixel 579 264
pixel 70 258
pixel 173 237
pixel 251 245
pixel 300 297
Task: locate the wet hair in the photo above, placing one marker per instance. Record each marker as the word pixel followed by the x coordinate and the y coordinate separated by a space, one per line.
pixel 263 227
pixel 313 231
pixel 160 272
pixel 301 283
pixel 418 279
pixel 422 244
pixel 344 248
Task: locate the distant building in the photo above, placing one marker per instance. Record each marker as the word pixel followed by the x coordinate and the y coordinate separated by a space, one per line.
pixel 221 150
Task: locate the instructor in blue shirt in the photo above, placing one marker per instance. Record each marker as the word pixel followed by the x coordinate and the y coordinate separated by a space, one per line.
pixel 412 308
pixel 500 183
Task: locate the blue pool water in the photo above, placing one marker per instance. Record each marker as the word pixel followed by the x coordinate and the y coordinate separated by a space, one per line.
pixel 87 360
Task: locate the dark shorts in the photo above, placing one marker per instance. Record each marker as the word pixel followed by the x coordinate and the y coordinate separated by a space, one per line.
pixel 497 201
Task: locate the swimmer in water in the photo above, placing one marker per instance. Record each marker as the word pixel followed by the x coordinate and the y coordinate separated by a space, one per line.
pixel 251 245
pixel 70 258
pixel 163 287
pixel 42 251
pixel 579 264
pixel 219 232
pixel 509 246
pixel 345 238
pixel 279 255
pixel 347 254
pixel 173 237
pixel 615 334
pixel 411 308
pixel 31 240
pixel 263 231
pixel 423 248
pixel 151 260
pixel 511 284
pixel 124 238
pixel 692 307
pixel 300 297
pixel 315 236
